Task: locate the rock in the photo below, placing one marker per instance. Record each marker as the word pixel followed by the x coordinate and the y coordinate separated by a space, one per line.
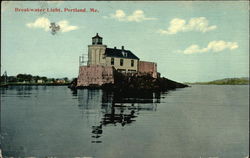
pixel 135 83
pixel 141 83
pixel 73 84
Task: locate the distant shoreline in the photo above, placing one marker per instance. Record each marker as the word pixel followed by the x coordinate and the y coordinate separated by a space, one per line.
pixel 34 84
pixel 225 81
pixel 216 84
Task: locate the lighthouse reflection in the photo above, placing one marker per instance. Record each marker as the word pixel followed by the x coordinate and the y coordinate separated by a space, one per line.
pixel 103 109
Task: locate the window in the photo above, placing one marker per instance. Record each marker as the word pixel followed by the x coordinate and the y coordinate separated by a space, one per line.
pixel 125 54
pixel 132 63
pixel 121 70
pixel 95 40
pixel 112 61
pixel 131 71
pixel 121 62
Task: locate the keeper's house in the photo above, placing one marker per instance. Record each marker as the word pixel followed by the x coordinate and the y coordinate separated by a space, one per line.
pixel 102 61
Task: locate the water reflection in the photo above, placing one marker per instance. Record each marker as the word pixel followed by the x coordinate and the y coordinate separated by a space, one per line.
pixel 115 109
pixel 21 90
pixel 103 124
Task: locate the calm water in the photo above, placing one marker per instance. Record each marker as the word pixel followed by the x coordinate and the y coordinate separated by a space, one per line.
pixel 201 121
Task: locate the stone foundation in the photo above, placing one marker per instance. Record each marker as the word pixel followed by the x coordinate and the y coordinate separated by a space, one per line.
pixel 146 67
pixel 95 75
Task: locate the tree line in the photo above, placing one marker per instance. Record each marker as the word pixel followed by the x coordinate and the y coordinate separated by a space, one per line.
pixel 29 78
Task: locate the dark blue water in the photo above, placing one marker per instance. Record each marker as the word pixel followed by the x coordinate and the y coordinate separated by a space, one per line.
pixel 201 121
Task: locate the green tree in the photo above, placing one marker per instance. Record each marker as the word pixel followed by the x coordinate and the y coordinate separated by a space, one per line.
pixel 66 79
pixel 45 79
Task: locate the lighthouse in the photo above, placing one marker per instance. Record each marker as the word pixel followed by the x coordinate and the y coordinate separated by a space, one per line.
pixel 96 51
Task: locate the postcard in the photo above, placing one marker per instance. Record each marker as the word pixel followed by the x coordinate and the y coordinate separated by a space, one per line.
pixel 124 79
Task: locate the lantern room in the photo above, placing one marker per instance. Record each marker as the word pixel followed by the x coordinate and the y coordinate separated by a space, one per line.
pixel 96 40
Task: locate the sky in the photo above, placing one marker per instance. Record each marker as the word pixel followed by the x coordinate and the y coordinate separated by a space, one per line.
pixel 190 41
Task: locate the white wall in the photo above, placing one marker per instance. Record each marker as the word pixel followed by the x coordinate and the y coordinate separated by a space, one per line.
pixel 126 63
pixel 96 54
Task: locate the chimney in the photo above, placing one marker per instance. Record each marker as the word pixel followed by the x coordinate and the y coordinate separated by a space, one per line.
pixel 122 47
pixel 114 47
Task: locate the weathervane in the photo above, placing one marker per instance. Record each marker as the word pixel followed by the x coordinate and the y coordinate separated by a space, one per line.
pixel 54 28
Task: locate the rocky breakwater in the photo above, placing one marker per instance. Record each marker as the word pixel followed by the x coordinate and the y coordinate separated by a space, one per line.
pixel 124 83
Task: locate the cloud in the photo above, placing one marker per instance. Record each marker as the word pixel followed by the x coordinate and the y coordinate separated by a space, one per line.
pixel 213 46
pixel 65 27
pixel 199 24
pixel 119 15
pixel 136 16
pixel 44 23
